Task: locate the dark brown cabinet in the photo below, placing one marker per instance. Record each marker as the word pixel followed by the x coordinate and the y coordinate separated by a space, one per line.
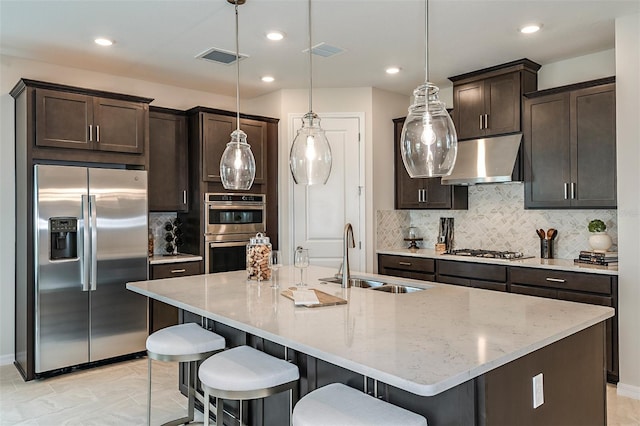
pixel 488 102
pixel 79 121
pixel 407 267
pixel 570 146
pixel 168 165
pixel 423 193
pixel 162 315
pixel 216 133
pixel 477 275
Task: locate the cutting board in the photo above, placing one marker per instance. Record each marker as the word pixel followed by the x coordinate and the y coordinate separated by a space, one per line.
pixel 325 299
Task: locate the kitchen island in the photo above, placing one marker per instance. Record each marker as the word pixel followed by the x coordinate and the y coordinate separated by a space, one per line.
pixel 457 355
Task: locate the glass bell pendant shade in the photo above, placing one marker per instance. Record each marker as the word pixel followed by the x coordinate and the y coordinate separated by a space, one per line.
pixel 310 156
pixel 237 165
pixel 429 143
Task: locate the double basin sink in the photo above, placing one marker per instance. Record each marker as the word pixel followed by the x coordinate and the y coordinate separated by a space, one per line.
pixel 375 285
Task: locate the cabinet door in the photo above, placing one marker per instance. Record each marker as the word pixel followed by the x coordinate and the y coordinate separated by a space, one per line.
pixel 63 120
pixel 469 105
pixel 593 145
pixel 257 137
pixel 163 315
pixel 119 125
pixel 168 166
pixel 547 152
pixel 502 104
pixel 407 189
pixel 436 195
pixel 216 133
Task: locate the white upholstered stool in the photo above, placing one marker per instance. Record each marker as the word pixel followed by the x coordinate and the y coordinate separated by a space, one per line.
pixel 244 373
pixel 182 343
pixel 338 404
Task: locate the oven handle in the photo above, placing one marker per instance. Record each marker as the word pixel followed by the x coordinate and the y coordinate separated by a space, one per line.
pixel 236 206
pixel 213 244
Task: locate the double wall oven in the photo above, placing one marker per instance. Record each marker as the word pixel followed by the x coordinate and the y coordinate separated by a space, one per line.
pixel 230 220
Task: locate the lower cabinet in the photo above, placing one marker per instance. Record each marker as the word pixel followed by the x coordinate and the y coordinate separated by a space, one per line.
pixel 162 315
pixel 595 289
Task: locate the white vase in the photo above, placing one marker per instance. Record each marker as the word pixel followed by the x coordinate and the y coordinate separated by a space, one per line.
pixel 600 241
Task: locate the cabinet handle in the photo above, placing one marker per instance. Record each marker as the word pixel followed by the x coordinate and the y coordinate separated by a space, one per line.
pixel 178 271
pixel 404 263
pixel 184 196
pixel 211 176
pixel 566 191
pixel 480 116
pixel 573 190
pixel 555 280
pixel 419 195
pixel 97 133
pixel 90 133
pixel 486 121
pixel 425 196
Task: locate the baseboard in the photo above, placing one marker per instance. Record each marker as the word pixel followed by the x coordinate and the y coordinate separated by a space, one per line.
pixel 629 391
pixel 6 359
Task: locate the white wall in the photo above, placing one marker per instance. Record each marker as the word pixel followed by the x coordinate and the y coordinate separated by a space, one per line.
pixel 628 140
pixel 574 70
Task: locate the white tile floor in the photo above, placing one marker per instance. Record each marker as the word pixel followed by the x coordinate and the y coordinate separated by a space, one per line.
pixel 116 395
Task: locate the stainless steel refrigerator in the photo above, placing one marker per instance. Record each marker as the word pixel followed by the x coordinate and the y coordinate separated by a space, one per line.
pixel 90 240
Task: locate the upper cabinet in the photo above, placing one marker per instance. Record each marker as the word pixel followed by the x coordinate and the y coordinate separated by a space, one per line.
pixel 570 146
pixel 488 102
pixel 423 193
pixel 216 133
pixel 90 125
pixel 168 165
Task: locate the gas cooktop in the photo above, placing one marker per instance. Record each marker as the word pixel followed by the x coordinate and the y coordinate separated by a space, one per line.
pixel 492 254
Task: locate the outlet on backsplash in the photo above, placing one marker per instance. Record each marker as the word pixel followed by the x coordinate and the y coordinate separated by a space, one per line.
pixel 496 220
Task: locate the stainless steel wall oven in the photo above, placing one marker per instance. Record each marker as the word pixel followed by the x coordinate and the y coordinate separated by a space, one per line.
pixel 230 220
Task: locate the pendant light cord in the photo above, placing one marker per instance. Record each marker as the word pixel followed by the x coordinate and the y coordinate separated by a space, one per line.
pixel 426 41
pixel 237 75
pixel 310 65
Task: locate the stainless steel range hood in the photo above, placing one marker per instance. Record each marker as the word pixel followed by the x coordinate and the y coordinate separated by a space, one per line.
pixel 489 160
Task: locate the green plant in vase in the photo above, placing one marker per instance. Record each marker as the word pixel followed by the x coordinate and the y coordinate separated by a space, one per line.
pixel 599 240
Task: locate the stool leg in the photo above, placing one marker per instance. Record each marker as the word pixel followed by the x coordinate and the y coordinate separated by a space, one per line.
pixel 149 391
pixel 190 390
pixel 206 407
pixel 219 412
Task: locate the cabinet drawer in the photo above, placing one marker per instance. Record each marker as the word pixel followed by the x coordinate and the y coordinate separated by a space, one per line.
pixel 468 282
pixel 534 291
pixel 409 263
pixel 172 270
pixel 472 270
pixel 562 280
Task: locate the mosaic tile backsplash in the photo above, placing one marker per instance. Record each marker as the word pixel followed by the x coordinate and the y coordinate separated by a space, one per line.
pixel 156 224
pixel 497 220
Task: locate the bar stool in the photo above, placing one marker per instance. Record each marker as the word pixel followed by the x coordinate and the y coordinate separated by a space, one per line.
pixel 244 373
pixel 182 343
pixel 338 404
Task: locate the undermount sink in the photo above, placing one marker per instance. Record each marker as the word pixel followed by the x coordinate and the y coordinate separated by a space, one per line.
pixel 375 285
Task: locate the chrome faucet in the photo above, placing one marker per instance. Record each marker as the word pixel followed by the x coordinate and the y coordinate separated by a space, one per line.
pixel 346 273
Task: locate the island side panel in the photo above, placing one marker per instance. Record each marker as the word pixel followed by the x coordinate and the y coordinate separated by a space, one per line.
pixel 574 378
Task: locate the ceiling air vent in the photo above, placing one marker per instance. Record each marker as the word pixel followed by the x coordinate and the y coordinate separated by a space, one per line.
pixel 220 56
pixel 325 50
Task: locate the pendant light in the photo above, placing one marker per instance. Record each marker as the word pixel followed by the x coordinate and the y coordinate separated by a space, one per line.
pixel 429 142
pixel 310 156
pixel 237 165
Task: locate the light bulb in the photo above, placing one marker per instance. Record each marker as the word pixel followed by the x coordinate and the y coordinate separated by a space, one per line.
pixel 428 136
pixel 237 163
pixel 310 152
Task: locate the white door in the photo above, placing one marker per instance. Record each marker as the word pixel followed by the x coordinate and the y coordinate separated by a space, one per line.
pixel 320 212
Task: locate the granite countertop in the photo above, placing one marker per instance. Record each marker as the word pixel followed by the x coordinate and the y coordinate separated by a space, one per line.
pixel 424 342
pixel 159 259
pixel 533 262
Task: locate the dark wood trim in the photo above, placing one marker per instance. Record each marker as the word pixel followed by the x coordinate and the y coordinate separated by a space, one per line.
pixel 19 87
pixel 231 114
pixel 164 110
pixel 570 87
pixel 518 65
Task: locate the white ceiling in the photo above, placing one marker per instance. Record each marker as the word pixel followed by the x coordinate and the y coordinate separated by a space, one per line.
pixel 159 40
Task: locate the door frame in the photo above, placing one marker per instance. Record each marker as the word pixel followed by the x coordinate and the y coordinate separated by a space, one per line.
pixel 362 238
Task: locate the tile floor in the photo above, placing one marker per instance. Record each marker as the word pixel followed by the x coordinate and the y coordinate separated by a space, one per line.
pixel 116 395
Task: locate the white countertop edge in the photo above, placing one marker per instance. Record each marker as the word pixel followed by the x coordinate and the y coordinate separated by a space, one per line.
pixel 181 257
pixel 413 387
pixel 532 262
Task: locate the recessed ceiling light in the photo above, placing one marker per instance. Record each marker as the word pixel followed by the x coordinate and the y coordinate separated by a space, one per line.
pixel 268 79
pixel 275 35
pixel 530 29
pixel 392 70
pixel 103 41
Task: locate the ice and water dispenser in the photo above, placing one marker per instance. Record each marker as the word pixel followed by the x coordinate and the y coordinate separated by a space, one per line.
pixel 63 238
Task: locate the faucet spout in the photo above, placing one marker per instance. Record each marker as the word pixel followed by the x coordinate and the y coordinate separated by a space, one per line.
pixel 348 241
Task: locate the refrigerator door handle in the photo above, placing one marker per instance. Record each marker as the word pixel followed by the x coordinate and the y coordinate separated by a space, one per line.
pixel 86 242
pixel 94 242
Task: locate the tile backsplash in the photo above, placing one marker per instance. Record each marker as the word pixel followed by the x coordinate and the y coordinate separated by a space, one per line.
pixel 156 224
pixel 497 220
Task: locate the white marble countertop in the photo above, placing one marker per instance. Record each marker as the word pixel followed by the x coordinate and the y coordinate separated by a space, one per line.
pixel 532 262
pixel 424 342
pixel 180 257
